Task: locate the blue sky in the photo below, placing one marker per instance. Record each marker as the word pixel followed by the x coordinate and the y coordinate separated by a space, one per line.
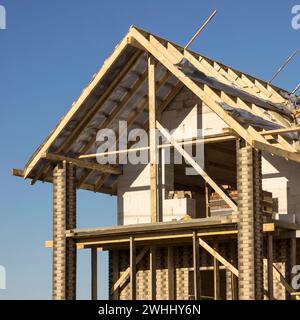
pixel 49 52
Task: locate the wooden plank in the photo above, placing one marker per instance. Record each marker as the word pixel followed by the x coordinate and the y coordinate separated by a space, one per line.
pixel 270 267
pixel 17 172
pixel 196 266
pixel 295 156
pixel 234 287
pixel 94 277
pixel 216 275
pixel 152 138
pixel 215 254
pixel 207 140
pixel 280 131
pixel 82 164
pixel 126 274
pixel 195 165
pixel 106 66
pixel 207 209
pixel 132 253
pixel 268 227
pixel 171 274
pixel 283 281
pixel 152 278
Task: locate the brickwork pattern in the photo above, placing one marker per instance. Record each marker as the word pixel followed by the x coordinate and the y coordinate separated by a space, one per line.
pixel 64 218
pixel 250 242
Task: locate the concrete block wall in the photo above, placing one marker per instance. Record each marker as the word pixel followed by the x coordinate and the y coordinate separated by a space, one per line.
pixel 282 178
pixel 185 115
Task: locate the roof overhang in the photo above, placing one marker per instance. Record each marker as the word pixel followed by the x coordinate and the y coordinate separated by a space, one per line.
pixel 118 91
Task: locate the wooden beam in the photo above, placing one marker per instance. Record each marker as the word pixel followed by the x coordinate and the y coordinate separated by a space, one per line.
pixel 152 278
pixel 283 281
pixel 82 164
pixel 152 138
pixel 215 254
pixel 195 165
pixel 126 274
pixel 216 275
pixel 206 140
pixel 270 267
pixel 279 131
pixel 171 274
pixel 132 253
pixel 207 209
pixel 17 172
pixel 196 266
pixel 94 277
pixel 268 227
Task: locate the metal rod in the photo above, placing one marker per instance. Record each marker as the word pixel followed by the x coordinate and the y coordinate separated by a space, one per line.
pixel 296 89
pixel 284 65
pixel 201 29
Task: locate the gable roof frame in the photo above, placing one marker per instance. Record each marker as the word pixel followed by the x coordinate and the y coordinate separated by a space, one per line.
pixel 250 135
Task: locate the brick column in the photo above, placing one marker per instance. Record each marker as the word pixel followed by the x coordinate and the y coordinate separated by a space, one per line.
pixel 64 218
pixel 250 241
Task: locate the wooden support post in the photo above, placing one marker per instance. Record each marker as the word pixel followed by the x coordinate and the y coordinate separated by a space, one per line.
pixel 116 273
pixel 234 283
pixel 216 276
pixel 152 258
pixel 196 265
pixel 270 267
pixel 207 209
pixel 132 251
pixel 234 287
pixel 152 137
pixel 94 277
pixel 171 273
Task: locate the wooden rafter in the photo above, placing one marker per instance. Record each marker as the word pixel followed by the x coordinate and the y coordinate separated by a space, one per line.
pixel 82 164
pixel 117 110
pixel 132 118
pixel 68 117
pixel 159 51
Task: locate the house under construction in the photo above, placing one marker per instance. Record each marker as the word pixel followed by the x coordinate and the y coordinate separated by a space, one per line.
pixel 227 231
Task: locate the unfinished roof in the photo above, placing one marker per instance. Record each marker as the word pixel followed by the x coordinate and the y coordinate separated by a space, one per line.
pixel 119 91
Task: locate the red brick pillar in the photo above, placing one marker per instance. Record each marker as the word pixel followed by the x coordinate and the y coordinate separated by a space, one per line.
pixel 250 233
pixel 64 218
